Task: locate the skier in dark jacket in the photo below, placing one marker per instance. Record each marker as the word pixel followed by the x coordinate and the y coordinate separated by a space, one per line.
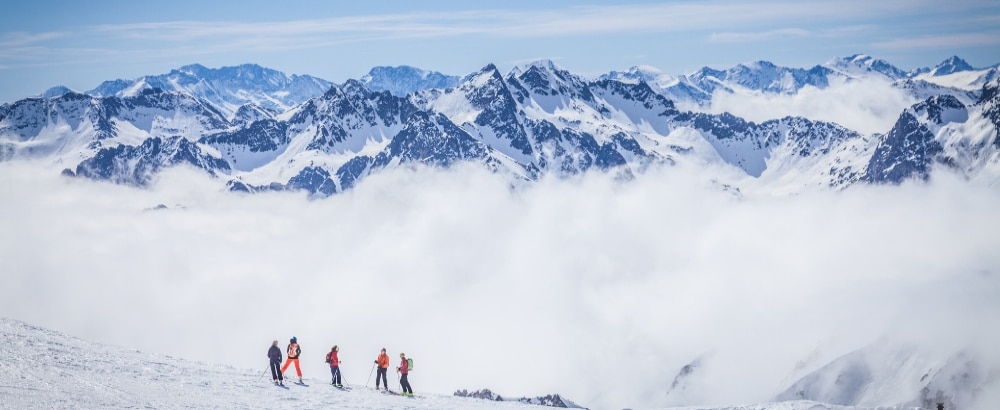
pixel 274 353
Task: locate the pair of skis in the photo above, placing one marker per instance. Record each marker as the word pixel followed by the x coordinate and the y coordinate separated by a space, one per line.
pixel 390 392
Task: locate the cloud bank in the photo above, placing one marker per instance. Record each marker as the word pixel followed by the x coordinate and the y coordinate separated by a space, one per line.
pixel 592 288
pixel 867 106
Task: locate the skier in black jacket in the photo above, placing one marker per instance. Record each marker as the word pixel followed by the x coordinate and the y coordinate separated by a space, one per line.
pixel 274 353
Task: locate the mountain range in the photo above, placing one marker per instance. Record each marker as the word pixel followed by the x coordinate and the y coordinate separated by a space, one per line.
pixel 257 129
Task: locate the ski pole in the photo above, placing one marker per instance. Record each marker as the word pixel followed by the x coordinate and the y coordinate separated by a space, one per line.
pixel 262 374
pixel 370 376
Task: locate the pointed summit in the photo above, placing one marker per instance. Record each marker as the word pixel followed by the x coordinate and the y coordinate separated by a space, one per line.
pixel 952 65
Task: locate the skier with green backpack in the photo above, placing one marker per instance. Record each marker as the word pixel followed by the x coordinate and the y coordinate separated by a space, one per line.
pixel 404 369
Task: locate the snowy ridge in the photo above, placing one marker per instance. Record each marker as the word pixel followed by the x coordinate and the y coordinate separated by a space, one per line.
pixel 227 88
pixel 696 90
pixel 903 375
pixel 47 369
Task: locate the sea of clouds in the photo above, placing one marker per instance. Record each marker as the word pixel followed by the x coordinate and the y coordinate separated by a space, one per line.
pixel 595 288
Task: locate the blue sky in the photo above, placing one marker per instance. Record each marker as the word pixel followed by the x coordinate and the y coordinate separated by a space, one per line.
pixel 45 43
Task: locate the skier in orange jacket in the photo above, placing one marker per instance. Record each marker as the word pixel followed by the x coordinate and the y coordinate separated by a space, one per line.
pixel 293 357
pixel 383 368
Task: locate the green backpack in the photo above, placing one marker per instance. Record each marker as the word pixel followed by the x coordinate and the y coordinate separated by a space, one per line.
pixel 409 364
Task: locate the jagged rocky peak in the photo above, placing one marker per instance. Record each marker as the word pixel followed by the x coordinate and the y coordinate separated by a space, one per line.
pixel 485 87
pixel 910 149
pixel 952 65
pixel 487 73
pixel 635 74
pixel 544 77
pixel 941 109
pixel 355 87
pixel 137 165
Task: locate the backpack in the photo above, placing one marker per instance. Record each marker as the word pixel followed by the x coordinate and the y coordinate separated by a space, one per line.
pixel 328 357
pixel 409 364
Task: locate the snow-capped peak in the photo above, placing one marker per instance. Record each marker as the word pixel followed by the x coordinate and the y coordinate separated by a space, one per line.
pixel 952 65
pixel 863 64
pixel 57 91
pixel 542 63
pixel 403 80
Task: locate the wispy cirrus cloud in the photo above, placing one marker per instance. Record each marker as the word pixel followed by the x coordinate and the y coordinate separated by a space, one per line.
pixel 726 17
pixel 748 37
pixel 943 41
pixel 23 39
pixel 671 17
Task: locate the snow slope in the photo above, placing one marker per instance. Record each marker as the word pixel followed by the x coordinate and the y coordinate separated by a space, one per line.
pixel 48 369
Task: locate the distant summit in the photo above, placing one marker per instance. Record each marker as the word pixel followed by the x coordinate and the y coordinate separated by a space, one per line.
pixel 226 88
pixel 57 91
pixel 952 65
pixel 861 64
pixel 403 80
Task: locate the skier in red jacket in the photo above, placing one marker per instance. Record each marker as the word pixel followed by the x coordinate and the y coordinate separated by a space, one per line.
pixel 334 361
pixel 404 370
